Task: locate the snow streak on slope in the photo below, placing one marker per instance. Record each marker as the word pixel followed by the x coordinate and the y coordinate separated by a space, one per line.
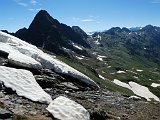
pixel 65 109
pixel 155 85
pixel 139 90
pixel 16 45
pixel 23 60
pixel 24 83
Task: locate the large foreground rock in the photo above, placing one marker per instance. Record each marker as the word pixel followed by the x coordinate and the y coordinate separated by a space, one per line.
pixel 65 109
pixel 24 83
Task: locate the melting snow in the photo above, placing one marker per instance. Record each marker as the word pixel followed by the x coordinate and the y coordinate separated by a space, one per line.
pixel 131 71
pixel 63 108
pixel 94 53
pixel 14 45
pixel 80 58
pixel 23 60
pixel 139 70
pixel 24 83
pixel 98 38
pixel 134 97
pixel 97 42
pixel 138 90
pixel 100 57
pixel 76 46
pixel 109 66
pixel 120 71
pixel 100 76
pixel 155 85
pixel 135 77
pixel 66 49
pixel 121 83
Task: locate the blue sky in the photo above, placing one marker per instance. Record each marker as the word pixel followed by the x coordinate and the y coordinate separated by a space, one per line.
pixel 90 15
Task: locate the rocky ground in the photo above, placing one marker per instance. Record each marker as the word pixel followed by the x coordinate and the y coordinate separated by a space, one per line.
pixel 102 104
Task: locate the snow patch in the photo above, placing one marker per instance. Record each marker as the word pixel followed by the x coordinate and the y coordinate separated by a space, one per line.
pixel 135 77
pixel 63 108
pixel 76 46
pixel 80 58
pixel 65 49
pixel 97 42
pixel 94 53
pixel 134 97
pixel 131 71
pixel 24 83
pixel 23 60
pixel 120 71
pixel 139 70
pixel 98 38
pixel 155 85
pixel 121 83
pixel 100 57
pixel 100 76
pixel 139 90
pixel 109 66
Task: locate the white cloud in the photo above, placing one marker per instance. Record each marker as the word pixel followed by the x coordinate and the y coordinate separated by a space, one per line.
pixel 23 4
pixel 87 20
pixel 33 2
pixel 34 10
pixel 38 9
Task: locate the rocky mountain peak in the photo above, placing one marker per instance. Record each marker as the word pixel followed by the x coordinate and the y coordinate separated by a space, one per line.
pixel 49 34
pixel 44 21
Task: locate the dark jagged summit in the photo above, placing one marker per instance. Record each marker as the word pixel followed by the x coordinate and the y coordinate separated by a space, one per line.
pixel 50 34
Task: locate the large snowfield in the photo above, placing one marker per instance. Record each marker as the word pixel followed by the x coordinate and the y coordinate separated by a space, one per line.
pixel 139 90
pixel 34 57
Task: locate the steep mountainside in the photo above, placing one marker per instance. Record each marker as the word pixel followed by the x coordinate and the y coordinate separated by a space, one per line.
pixel 128 55
pixel 49 34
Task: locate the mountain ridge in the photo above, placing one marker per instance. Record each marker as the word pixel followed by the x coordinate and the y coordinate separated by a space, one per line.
pixel 50 34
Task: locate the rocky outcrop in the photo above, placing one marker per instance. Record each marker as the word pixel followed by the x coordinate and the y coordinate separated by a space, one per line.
pixel 5 114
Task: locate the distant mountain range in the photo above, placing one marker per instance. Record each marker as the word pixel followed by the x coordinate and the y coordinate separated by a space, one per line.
pixel 103 53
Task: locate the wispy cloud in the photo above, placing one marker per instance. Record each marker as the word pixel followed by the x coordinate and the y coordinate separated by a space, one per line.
pixel 33 2
pixel 31 9
pixel 87 20
pixel 34 10
pixel 23 4
pixel 30 5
